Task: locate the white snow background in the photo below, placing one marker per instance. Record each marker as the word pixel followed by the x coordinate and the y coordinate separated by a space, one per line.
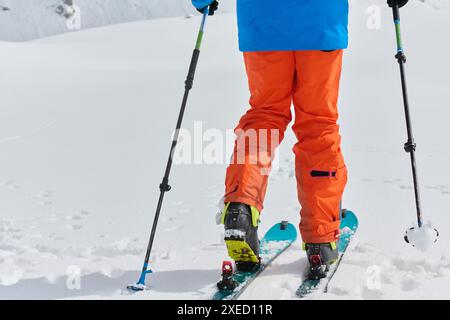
pixel 85 126
pixel 32 19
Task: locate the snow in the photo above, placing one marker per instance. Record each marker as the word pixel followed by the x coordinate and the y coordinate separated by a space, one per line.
pixel 22 20
pixel 85 129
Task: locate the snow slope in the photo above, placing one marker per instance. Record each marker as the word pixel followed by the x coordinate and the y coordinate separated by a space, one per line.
pixel 85 126
pixel 22 20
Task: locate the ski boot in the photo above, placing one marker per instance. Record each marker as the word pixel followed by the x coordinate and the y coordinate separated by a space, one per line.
pixel 241 235
pixel 320 256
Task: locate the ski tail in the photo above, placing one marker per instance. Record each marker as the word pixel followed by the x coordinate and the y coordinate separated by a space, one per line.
pixel 348 227
pixel 277 240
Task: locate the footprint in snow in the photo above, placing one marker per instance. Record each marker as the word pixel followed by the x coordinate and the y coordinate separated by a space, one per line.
pixel 440 188
pixel 78 215
pixel 7 227
pixel 371 294
pixel 54 236
pixel 43 195
pixel 44 203
pixel 167 255
pixel 53 217
pixel 409 284
pixel 10 184
pixel 126 246
pixel 74 227
pixel 339 291
pixel 43 198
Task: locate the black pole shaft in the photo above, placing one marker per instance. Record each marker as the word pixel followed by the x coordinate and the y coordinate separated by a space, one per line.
pixel 164 186
pixel 410 145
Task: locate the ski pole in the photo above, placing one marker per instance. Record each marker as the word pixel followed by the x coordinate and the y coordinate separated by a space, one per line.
pixel 410 145
pixel 164 186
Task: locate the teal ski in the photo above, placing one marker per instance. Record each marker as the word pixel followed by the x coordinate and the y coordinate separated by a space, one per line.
pixel 275 242
pixel 349 225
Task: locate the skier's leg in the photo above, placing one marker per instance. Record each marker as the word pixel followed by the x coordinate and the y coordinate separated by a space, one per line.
pixel 320 168
pixel 258 134
pixel 261 129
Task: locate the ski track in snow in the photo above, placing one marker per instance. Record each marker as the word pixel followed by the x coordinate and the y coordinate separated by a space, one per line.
pixel 77 196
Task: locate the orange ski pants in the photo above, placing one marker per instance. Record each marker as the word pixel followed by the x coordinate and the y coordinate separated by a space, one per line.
pixel 309 80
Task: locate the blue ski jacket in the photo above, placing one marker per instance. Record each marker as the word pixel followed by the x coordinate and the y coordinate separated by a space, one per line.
pixel 278 25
